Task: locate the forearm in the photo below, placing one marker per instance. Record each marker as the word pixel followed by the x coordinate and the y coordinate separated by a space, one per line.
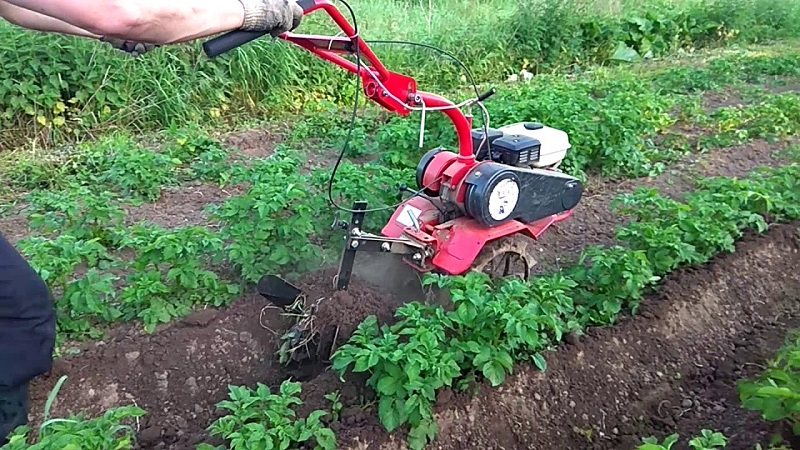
pixel 34 21
pixel 152 21
pixel 177 21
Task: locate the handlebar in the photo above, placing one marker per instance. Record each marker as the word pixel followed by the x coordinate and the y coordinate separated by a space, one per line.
pixel 391 90
pixel 231 40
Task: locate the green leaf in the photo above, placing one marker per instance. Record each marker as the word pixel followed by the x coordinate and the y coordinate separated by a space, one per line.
pixel 625 53
pixel 389 385
pixel 389 411
pixel 494 372
pixel 540 362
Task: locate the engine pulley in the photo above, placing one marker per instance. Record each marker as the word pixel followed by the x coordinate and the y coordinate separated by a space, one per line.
pixel 497 193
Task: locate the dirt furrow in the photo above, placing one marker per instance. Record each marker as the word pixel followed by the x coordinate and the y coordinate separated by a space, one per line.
pixel 181 372
pixel 672 368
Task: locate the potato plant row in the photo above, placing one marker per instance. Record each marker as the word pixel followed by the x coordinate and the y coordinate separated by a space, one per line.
pixel 493 327
pixel 78 200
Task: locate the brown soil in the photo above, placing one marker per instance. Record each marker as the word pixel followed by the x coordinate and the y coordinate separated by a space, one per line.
pixel 259 143
pixel 14 228
pixel 726 98
pixel 337 314
pixel 182 206
pixel 182 371
pixel 672 368
pixel 177 374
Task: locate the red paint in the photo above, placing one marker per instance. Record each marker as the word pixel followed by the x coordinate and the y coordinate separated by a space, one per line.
pixel 461 240
pixel 428 217
pixel 434 173
pixel 456 243
pixel 402 87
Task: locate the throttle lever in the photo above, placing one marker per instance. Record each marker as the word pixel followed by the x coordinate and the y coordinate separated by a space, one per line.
pixel 487 94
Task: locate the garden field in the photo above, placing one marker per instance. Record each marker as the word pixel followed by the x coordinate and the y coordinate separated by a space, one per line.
pixel 152 194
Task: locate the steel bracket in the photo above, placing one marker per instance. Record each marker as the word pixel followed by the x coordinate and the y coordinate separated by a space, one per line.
pixel 357 240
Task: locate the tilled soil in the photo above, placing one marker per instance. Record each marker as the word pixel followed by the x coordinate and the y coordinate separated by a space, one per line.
pixel 672 368
pixel 180 373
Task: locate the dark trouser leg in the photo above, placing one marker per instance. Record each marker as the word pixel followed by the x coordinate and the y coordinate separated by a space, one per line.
pixel 27 335
pixel 27 321
pixel 14 405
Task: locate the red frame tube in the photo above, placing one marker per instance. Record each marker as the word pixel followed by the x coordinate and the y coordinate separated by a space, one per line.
pixel 394 86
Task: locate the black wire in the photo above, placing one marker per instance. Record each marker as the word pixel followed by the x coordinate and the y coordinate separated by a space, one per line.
pixel 464 67
pixel 468 72
pixel 355 110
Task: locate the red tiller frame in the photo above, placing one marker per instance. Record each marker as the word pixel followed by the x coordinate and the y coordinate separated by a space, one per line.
pixel 397 86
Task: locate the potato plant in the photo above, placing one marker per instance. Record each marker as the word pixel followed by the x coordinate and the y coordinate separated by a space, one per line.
pixel 494 327
pixel 776 392
pixel 261 419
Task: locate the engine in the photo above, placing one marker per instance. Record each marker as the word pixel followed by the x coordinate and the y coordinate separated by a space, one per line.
pixel 517 177
pixel 525 144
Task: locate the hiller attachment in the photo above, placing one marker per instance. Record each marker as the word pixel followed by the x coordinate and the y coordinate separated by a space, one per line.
pixel 278 291
pixel 480 208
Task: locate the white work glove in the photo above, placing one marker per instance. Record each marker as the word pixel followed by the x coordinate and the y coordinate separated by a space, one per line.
pixel 273 16
pixel 134 48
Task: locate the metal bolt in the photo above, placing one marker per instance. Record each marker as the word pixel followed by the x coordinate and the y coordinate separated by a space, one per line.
pixel 385 246
pixel 477 174
pixel 354 244
pixel 417 257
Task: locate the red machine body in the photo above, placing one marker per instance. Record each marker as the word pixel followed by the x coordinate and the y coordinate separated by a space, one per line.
pixel 443 246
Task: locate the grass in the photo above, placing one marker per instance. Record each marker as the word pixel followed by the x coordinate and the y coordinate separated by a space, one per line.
pixel 73 89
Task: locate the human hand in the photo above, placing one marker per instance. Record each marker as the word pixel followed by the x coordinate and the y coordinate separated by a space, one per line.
pixel 134 48
pixel 274 16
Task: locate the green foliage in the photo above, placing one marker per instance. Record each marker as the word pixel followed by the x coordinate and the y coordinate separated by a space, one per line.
pixel 773 117
pixel 616 119
pixel 83 299
pixel 265 420
pixel 707 440
pixel 269 226
pixel 609 281
pixel 114 163
pixel 79 433
pixel 378 184
pixel 82 233
pixel 78 211
pixel 170 274
pixel 492 327
pixel 651 443
pixel 673 233
pixel 73 85
pixel 208 158
pixel 776 392
pixel 727 71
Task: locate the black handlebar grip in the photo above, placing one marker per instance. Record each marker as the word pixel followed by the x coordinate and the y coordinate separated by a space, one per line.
pixel 233 39
pixel 229 41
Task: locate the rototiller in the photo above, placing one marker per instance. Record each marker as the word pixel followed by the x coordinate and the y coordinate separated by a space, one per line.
pixel 478 209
